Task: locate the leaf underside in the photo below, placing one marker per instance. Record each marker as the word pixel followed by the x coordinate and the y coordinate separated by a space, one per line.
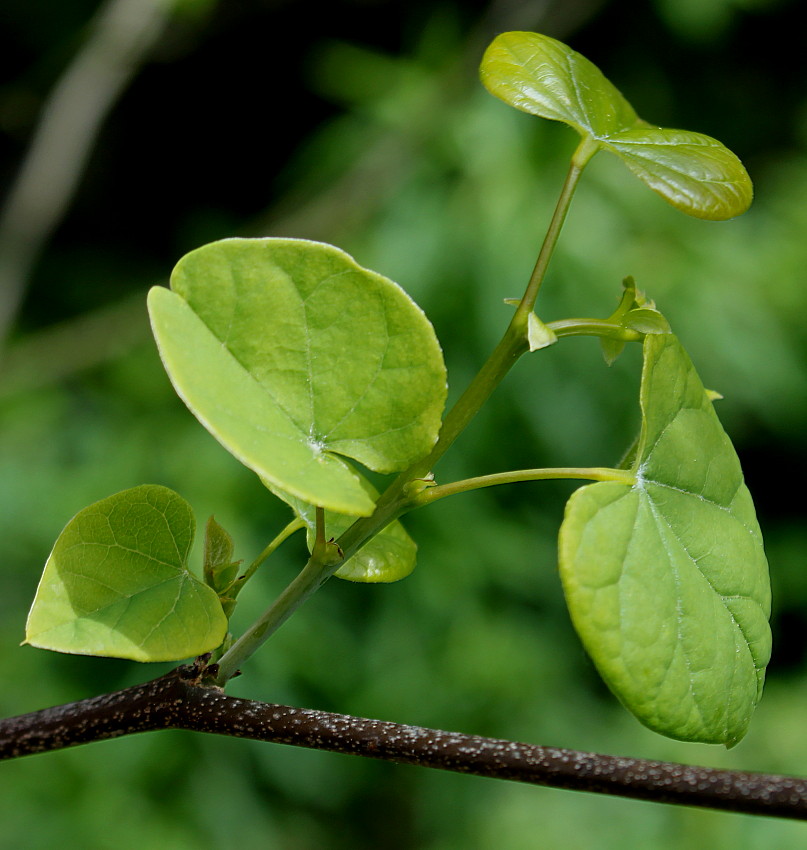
pixel 693 172
pixel 294 357
pixel 667 581
pixel 117 583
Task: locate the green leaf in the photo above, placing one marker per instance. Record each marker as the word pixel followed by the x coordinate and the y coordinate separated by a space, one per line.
pixel 611 349
pixel 117 583
pixel 666 581
pixel 646 320
pixel 694 173
pixel 542 76
pixel 293 357
pixel 387 557
pixel 220 570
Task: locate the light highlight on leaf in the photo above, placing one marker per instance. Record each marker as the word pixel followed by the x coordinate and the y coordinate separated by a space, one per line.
pixel 666 581
pixel 117 583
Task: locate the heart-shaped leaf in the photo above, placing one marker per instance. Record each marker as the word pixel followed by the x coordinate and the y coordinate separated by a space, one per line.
pixel 292 356
pixel 666 580
pixel 117 583
pixel 387 557
pixel 544 77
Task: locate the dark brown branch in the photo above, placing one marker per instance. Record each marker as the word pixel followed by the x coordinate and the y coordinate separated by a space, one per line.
pixel 179 700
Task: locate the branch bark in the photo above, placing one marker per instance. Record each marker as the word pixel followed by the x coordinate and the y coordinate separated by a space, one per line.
pixel 182 699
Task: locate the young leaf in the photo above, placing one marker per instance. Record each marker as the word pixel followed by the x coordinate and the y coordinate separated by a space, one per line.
pixel 694 173
pixel 218 546
pixel 666 581
pixel 611 349
pixel 117 583
pixel 293 357
pixel 542 76
pixel 646 320
pixel 220 570
pixel 389 556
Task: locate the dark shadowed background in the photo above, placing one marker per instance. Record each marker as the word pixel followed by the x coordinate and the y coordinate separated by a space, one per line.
pixel 363 124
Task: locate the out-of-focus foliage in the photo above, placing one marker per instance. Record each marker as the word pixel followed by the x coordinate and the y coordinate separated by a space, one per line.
pixel 377 137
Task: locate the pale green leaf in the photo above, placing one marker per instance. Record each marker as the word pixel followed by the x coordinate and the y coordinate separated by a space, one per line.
pixel 667 581
pixel 293 356
pixel 387 557
pixel 544 77
pixel 117 583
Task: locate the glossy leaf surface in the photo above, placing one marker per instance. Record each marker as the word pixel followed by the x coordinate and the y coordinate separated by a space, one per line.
pixel 387 557
pixel 117 583
pixel 542 76
pixel 294 357
pixel 666 581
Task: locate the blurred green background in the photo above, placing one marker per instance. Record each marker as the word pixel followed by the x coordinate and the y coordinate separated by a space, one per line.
pixel 361 122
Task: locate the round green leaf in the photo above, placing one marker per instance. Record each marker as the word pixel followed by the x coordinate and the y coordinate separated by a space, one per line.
pixel 542 76
pixel 387 557
pixel 666 581
pixel 117 583
pixel 293 356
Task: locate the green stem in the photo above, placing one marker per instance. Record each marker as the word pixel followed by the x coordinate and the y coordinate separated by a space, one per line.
pixel 591 473
pixel 308 580
pixel 514 342
pixel 313 575
pixel 593 327
pixel 585 150
pixel 295 525
pixel 395 501
pixel 318 550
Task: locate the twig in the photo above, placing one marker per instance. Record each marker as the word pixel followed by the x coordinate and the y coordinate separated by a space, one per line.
pixel 180 700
